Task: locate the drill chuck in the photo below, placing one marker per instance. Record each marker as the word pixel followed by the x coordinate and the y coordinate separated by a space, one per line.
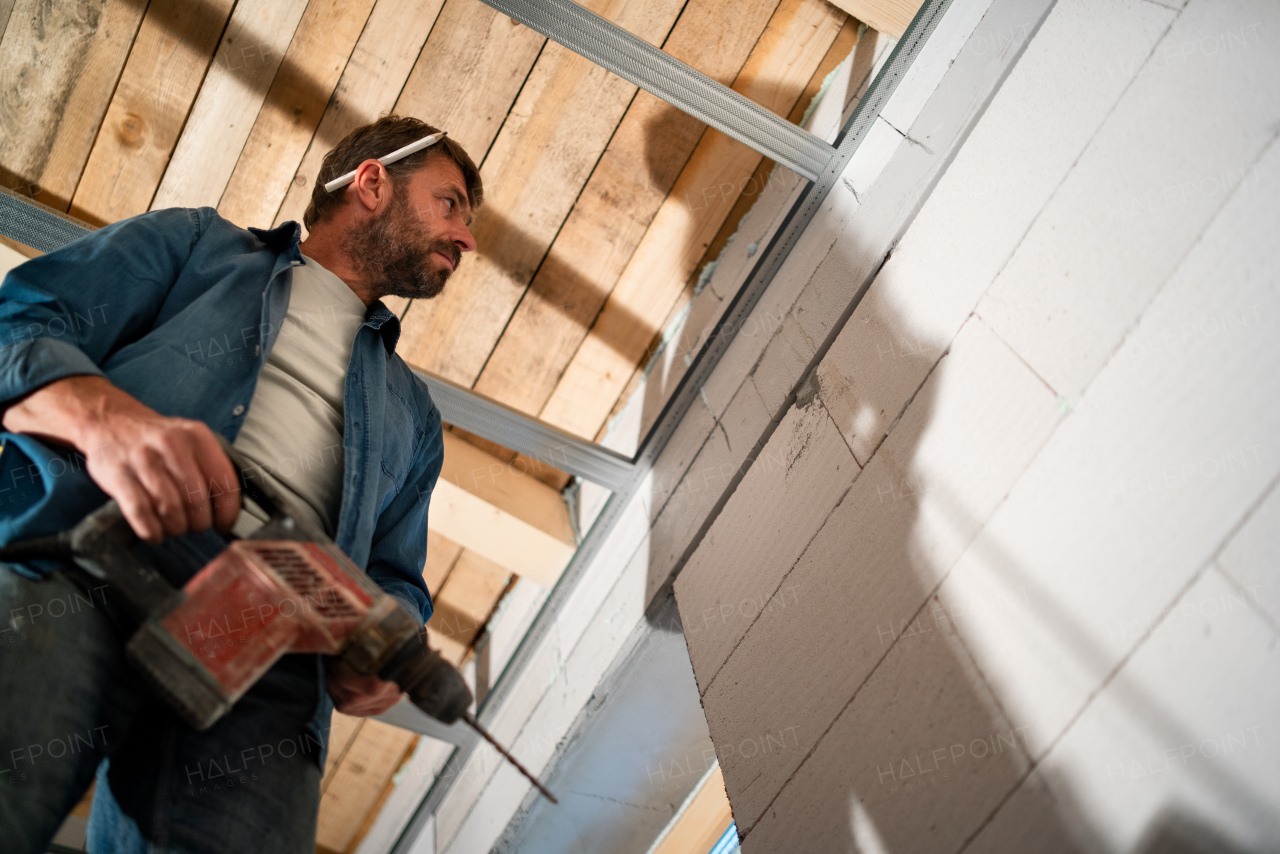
pixel 433 685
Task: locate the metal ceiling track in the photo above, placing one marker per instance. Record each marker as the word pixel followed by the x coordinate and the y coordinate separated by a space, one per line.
pixel 771 260
pixel 634 59
pixel 43 228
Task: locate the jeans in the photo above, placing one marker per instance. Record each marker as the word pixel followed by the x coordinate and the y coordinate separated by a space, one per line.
pixel 69 702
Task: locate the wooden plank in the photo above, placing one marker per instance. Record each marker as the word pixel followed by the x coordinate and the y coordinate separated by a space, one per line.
pixel 358 782
pixel 343 730
pixel 703 821
pixel 232 94
pixel 156 90
pixel 442 554
pixel 609 220
pixel 369 86
pixel 509 518
pixel 58 65
pixel 470 73
pixel 781 65
pixel 325 37
pixel 886 16
pixel 465 603
pixel 6 8
pixel 566 113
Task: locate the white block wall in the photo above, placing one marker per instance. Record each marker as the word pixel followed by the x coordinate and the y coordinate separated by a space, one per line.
pixel 1005 576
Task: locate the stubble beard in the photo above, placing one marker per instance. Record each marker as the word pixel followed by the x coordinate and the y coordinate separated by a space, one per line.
pixel 393 253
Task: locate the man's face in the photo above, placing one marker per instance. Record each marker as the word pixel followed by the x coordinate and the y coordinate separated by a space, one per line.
pixel 412 247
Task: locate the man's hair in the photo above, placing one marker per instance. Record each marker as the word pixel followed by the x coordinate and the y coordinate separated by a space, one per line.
pixel 379 139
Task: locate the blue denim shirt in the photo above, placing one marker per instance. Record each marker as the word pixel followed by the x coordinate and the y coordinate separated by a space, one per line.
pixel 180 308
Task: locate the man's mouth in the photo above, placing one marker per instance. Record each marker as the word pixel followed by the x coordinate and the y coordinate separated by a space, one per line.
pixel 453 263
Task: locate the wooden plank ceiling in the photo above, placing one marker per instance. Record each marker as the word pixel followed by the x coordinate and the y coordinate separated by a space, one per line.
pixel 602 205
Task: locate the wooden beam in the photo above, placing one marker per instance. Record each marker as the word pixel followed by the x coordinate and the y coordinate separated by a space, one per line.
pixel 358 781
pixel 568 109
pixel 58 66
pixel 343 730
pixel 166 66
pixel 295 103
pixel 545 472
pixel 703 821
pixel 465 604
pixel 609 219
pixel 780 66
pixel 442 554
pixel 886 16
pixel 503 515
pixel 232 94
pixel 374 75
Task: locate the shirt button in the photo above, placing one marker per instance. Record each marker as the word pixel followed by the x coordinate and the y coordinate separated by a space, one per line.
pixel 239 410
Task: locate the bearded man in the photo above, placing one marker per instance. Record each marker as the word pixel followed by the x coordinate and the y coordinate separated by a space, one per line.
pixel 123 356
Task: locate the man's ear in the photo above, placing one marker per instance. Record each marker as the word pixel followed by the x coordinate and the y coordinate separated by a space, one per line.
pixel 372 185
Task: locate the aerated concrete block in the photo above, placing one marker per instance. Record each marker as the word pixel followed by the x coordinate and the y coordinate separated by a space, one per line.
pixel 1186 135
pixel 1041 119
pixel 915 763
pixel 777 508
pixel 1141 484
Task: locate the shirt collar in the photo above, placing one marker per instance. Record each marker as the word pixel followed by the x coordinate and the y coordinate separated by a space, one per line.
pixel 384 320
pixel 287 235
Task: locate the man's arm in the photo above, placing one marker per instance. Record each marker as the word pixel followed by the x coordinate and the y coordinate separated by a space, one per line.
pixel 61 316
pixel 158 469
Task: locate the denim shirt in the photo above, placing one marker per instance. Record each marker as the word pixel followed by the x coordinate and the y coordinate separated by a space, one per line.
pixel 180 308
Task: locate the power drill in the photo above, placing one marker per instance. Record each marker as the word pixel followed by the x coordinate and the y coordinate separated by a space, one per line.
pixel 289 588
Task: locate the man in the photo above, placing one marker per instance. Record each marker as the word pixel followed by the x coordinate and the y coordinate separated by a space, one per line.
pixel 122 356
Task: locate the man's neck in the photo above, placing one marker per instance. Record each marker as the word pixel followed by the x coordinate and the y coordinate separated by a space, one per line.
pixel 324 246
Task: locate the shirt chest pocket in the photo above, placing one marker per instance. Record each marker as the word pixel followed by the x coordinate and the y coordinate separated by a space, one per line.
pixel 401 440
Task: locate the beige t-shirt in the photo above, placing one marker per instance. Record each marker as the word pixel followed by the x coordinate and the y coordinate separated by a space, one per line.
pixel 293 431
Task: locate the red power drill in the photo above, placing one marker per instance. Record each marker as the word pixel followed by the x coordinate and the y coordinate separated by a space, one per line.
pixel 290 590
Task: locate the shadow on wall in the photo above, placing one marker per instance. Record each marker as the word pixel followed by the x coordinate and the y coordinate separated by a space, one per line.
pixel 847 711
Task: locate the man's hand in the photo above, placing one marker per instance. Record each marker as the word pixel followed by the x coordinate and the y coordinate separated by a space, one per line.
pixel 169 475
pixel 354 694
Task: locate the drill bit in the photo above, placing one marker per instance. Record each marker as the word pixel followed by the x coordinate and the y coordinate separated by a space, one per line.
pixel 475 725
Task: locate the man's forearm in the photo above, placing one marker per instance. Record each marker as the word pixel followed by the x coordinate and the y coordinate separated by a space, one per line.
pixel 67 410
pixel 158 469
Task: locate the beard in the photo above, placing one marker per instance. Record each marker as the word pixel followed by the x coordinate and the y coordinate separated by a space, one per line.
pixel 393 253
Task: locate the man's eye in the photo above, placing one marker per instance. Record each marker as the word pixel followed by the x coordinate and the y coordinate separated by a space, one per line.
pixel 450 203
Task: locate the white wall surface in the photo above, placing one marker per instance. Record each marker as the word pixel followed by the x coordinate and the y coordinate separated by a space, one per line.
pixel 1004 578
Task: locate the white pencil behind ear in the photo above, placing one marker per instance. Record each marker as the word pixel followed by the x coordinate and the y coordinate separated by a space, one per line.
pixel 398 154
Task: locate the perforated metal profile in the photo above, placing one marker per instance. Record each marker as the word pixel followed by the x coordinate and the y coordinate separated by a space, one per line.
pixel 632 58
pixel 45 229
pixel 35 225
pixel 499 423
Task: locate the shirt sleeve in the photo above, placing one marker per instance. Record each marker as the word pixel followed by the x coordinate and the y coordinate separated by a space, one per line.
pixel 399 551
pixel 62 314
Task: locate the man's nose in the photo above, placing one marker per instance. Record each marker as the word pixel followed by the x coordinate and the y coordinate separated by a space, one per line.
pixel 463 238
